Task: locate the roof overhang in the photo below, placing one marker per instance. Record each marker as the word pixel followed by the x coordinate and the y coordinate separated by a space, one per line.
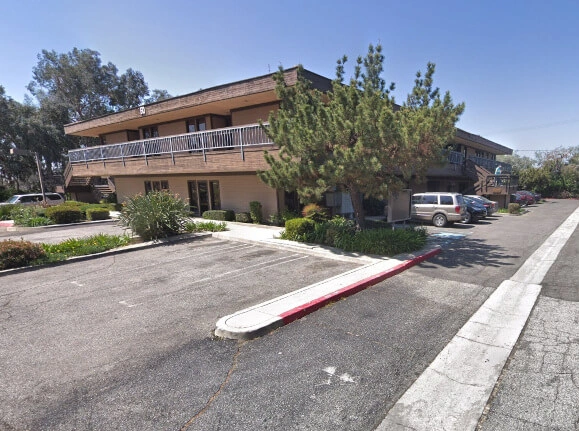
pixel 220 100
pixel 481 143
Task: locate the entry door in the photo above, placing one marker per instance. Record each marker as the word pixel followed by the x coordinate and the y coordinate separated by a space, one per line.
pixel 203 190
pixel 199 197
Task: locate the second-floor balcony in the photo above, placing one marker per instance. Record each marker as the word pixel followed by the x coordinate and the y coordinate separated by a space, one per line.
pixel 454 157
pixel 229 144
pixel 229 138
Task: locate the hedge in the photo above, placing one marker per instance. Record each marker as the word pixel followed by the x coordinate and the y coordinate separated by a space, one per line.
pixel 243 217
pixel 297 228
pixel 64 214
pixel 97 214
pixel 14 254
pixel 222 215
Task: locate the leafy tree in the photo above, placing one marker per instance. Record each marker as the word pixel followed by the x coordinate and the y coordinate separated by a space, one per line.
pixel 14 170
pixel 518 163
pixel 158 95
pixel 79 82
pixel 355 138
pixel 72 87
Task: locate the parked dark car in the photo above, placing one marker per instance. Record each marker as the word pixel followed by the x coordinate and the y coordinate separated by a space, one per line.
pixel 491 206
pixel 474 210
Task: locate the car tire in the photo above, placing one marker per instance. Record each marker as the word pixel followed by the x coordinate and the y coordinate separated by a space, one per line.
pixel 467 218
pixel 439 220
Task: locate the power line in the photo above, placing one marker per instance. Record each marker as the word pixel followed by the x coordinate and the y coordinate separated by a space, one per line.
pixel 535 127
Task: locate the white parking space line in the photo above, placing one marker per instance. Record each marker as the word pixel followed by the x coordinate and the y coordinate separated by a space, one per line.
pixel 152 296
pixel 256 267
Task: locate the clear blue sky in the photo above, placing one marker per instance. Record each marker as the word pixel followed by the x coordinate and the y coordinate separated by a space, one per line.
pixel 513 62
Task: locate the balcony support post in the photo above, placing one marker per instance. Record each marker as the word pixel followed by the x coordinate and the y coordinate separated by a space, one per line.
pixel 241 144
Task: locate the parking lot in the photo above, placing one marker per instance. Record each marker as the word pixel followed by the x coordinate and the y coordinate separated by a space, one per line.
pixel 68 325
pixel 125 341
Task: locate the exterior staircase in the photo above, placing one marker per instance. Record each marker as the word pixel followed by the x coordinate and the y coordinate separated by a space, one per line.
pixel 87 187
pixel 497 187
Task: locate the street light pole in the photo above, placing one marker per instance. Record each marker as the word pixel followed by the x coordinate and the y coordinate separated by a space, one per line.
pixel 17 151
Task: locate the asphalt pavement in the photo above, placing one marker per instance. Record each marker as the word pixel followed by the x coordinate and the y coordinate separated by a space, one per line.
pixel 500 386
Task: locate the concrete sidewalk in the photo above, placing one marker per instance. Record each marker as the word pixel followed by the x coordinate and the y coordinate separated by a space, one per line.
pixel 451 394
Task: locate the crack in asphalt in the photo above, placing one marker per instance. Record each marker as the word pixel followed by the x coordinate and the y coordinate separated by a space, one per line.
pixel 218 392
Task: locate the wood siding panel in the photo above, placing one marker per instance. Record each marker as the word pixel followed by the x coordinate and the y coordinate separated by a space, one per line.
pixel 116 138
pixel 175 128
pixel 252 115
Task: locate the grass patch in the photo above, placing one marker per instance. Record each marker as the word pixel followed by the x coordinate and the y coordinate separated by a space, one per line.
pixel 205 226
pixel 81 247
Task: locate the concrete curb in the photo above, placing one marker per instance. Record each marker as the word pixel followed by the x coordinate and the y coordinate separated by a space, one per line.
pixel 4 226
pixel 260 319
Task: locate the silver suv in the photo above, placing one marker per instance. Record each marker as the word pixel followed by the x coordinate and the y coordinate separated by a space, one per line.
pixel 438 207
pixel 34 199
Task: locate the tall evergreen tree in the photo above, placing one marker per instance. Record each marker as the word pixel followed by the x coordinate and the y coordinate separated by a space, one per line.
pixel 355 138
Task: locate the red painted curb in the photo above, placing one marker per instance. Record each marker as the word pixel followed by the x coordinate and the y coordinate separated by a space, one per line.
pixel 303 310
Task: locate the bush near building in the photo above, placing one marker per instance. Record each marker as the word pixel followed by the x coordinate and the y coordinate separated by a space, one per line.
pixel 221 215
pixel 14 254
pixel 342 233
pixel 155 215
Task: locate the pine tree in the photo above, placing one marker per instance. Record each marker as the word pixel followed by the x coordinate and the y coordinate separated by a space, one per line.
pixel 354 137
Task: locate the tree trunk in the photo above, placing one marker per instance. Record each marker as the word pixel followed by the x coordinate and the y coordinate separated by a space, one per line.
pixel 358 206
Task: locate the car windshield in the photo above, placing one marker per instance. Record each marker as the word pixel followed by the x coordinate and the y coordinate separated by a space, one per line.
pixel 12 200
pixel 459 199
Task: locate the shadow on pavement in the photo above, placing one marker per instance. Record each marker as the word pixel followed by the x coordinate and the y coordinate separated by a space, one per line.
pixel 470 252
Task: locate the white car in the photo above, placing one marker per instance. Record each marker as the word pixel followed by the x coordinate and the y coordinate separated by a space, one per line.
pixel 34 199
pixel 438 207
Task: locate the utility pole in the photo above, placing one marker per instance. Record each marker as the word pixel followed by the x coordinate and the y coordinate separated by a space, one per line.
pixel 20 152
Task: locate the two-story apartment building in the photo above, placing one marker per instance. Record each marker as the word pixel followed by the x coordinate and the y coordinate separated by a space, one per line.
pixel 207 146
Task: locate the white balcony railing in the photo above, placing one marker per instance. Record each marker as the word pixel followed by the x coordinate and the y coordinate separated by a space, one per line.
pixel 229 138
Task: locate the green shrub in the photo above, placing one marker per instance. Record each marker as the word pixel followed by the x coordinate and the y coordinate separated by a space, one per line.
pixel 6 193
pixel 315 212
pixel 5 211
pixel 97 214
pixel 29 216
pixel 243 217
pixel 155 215
pixel 84 207
pixel 335 232
pixel 64 214
pixel 39 221
pixel 279 219
pixel 208 226
pixel 73 203
pixel 298 229
pixel 387 242
pixel 514 208
pixel 341 233
pixel 255 211
pixel 222 215
pixel 14 254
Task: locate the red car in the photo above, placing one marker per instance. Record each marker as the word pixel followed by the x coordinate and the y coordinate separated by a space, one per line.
pixel 528 196
pixel 523 198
